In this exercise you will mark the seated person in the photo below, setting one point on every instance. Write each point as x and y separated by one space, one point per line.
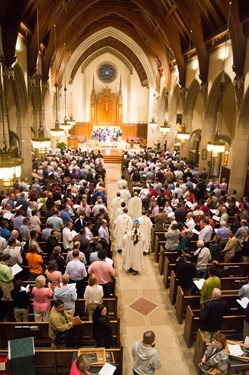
215 357
81 365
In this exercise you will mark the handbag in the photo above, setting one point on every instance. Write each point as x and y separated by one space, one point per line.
195 257
62 336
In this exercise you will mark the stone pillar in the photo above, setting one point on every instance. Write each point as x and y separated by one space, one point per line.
23 132
206 136
239 159
184 150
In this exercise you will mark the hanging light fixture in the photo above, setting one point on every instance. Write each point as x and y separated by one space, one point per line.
165 128
40 143
217 146
56 132
65 125
183 135
10 161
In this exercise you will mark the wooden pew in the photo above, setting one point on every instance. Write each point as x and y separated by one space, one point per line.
7 309
229 269
183 301
159 240
58 362
232 326
82 335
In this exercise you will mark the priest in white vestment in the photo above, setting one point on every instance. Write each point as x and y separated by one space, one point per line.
133 244
115 205
145 228
135 207
122 224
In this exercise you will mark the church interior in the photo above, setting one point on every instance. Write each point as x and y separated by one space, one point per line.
126 74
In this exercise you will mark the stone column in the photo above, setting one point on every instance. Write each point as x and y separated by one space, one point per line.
238 158
206 136
23 132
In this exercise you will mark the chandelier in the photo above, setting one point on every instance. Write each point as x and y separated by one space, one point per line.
40 142
165 128
56 132
183 135
65 125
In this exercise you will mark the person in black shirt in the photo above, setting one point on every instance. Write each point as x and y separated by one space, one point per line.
51 242
185 274
21 302
211 315
102 330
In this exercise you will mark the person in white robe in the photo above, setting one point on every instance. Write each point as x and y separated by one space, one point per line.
115 205
135 206
122 224
125 195
133 244
145 228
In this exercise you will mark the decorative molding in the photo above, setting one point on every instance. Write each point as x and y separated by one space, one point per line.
103 50
238 82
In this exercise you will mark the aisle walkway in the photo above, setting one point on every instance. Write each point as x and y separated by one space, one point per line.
144 304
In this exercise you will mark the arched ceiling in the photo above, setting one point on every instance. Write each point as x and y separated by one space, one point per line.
161 28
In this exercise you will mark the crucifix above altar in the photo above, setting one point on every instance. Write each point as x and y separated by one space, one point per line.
106 107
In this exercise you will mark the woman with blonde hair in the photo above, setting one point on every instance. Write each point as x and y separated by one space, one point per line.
42 297
93 295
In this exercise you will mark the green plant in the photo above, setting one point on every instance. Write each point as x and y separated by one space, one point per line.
61 145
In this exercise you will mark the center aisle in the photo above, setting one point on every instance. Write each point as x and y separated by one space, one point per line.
144 305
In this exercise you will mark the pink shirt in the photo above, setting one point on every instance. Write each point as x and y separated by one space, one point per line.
42 298
102 270
75 371
54 277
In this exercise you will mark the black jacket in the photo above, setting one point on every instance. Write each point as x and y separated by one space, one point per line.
102 332
212 314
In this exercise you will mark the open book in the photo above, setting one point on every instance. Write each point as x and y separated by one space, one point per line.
76 320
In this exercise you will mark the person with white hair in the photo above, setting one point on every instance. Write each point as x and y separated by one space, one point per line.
203 256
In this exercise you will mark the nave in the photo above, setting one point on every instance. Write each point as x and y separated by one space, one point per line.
144 305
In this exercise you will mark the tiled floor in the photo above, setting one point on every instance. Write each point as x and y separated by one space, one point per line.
144 304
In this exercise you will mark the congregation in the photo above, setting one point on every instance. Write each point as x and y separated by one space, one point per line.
62 230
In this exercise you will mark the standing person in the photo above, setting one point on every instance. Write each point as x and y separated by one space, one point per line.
42 297
215 356
135 206
60 325
232 247
21 301
77 273
52 242
172 238
103 272
52 273
6 277
93 295
67 293
203 256
35 262
133 249
68 237
102 330
145 356
145 228
123 223
210 283
185 274
211 315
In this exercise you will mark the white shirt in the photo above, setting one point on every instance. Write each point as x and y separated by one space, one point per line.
67 238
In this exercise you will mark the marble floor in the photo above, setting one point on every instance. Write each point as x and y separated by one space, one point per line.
144 305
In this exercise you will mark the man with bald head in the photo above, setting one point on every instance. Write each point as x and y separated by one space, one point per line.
212 314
